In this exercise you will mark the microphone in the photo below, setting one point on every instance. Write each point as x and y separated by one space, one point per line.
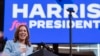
70 10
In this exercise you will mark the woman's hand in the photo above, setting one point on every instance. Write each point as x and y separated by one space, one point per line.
23 48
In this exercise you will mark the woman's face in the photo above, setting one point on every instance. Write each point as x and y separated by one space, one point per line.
23 33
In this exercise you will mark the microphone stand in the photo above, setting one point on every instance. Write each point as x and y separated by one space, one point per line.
70 10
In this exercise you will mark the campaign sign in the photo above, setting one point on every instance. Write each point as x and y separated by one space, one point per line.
48 20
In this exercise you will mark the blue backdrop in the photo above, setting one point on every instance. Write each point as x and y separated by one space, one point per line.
54 28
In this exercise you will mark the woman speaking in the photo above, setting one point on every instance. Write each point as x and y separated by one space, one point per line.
20 45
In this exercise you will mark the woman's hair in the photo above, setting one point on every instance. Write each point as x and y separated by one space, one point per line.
16 36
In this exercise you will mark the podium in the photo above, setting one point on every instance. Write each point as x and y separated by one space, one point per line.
43 52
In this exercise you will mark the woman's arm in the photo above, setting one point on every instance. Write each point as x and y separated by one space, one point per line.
8 50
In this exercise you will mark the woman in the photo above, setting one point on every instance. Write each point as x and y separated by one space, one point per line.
20 46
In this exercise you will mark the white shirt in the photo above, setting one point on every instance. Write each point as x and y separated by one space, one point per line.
23 46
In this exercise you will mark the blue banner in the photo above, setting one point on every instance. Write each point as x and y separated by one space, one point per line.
48 20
